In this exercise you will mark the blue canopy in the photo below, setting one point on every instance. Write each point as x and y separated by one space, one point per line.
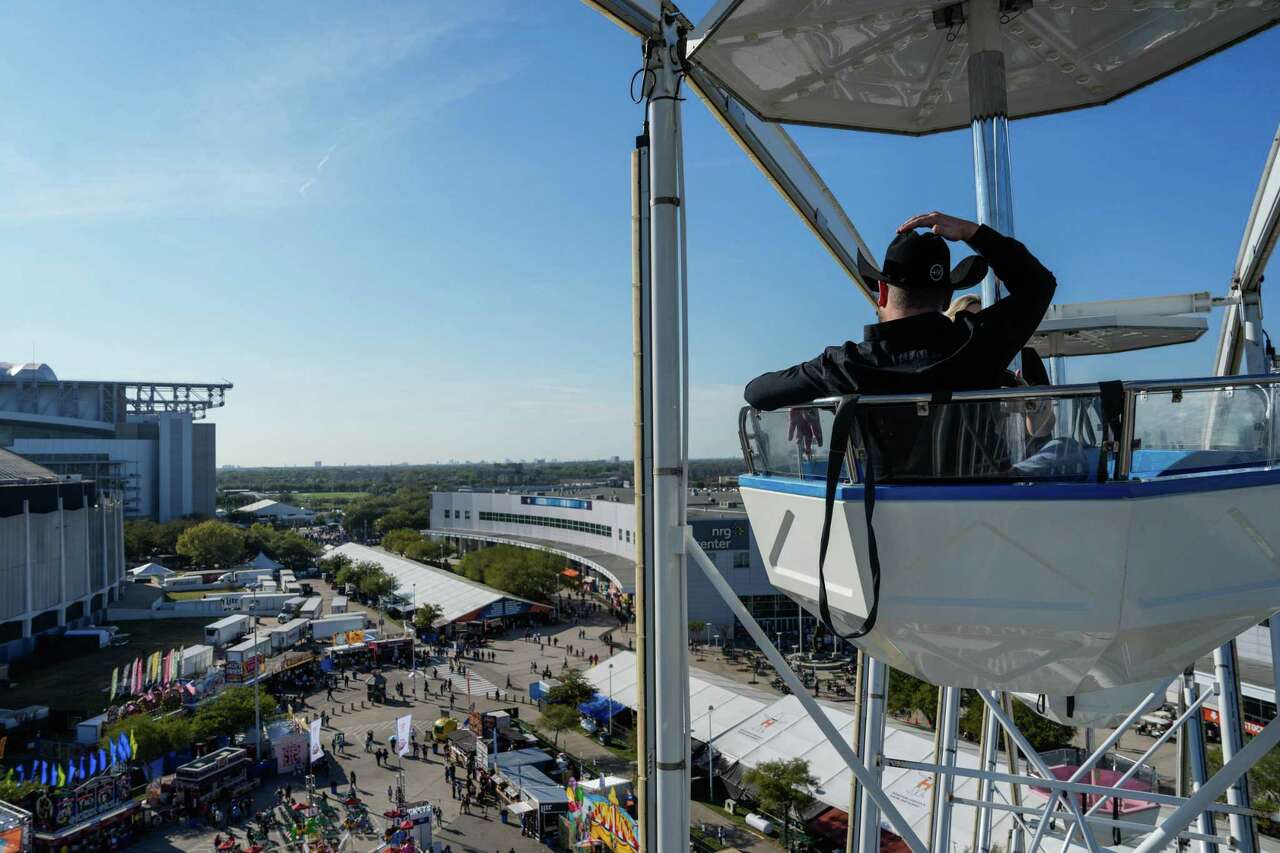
601 708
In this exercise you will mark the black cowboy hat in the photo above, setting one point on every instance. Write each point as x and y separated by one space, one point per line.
917 260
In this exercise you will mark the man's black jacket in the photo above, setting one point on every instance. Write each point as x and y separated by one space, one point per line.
927 352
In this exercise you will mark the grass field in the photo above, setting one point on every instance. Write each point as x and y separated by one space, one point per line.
83 684
325 500
193 594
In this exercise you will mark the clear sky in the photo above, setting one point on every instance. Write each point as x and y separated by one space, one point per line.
402 230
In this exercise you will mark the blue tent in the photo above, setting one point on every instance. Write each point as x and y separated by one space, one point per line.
601 708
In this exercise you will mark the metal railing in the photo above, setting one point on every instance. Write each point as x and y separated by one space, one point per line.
1167 428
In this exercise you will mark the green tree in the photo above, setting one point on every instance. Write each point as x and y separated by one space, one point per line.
15 792
376 583
1043 733
781 787
212 543
398 541
523 572
908 693
231 713
426 616
573 690
333 564
294 551
1264 784
559 718
259 537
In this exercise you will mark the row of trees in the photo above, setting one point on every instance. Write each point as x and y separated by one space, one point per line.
387 479
523 572
230 713
413 545
215 543
908 694
561 711
405 508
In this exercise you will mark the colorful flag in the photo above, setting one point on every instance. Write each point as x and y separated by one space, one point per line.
3 741
133 745
71 770
114 748
22 775
124 747
62 777
83 775
115 677
102 758
93 763
44 773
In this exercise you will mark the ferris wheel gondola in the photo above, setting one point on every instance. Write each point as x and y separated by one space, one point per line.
1064 565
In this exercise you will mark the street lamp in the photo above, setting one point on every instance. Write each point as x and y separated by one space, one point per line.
610 699
711 768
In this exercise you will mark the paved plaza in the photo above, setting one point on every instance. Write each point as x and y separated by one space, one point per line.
483 829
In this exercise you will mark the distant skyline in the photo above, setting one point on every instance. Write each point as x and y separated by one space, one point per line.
402 230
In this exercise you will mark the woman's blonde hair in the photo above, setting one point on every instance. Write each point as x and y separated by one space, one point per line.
962 304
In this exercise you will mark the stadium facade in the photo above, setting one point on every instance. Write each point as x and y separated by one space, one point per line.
594 530
61 553
145 441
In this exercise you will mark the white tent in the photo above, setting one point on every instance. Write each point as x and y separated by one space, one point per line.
784 731
152 570
262 561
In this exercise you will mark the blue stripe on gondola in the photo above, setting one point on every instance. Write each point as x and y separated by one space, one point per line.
1028 491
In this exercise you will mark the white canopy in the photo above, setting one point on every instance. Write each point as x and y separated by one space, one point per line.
152 570
262 561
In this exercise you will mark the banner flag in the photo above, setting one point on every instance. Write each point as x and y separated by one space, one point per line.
115 678
133 745
62 777
71 770
404 728
317 751
93 764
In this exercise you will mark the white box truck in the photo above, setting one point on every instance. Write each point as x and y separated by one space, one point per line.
313 609
242 658
323 630
291 608
227 630
288 635
195 660
338 604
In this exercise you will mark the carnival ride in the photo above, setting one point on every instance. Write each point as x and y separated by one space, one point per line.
1006 592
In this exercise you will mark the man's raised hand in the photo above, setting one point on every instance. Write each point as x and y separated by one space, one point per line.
948 227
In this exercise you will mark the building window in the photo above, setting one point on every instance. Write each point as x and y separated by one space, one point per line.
742 559
548 521
468 515
446 515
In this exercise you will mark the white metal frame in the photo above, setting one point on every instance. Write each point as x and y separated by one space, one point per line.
669 542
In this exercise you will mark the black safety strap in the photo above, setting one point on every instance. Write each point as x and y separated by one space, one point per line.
847 415
1071 706
1111 398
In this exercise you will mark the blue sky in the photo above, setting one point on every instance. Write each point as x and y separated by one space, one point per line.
402 229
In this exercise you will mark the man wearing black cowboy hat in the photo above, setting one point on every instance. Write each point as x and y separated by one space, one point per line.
915 347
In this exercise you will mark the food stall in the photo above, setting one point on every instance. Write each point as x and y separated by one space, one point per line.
209 778
99 813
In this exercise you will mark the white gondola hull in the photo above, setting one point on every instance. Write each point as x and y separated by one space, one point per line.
1070 589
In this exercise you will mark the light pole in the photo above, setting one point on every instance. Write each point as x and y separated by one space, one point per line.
257 678
711 767
611 700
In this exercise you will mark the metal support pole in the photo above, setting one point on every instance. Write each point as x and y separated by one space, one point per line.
1017 835
640 326
1034 759
948 736
1196 760
711 767
987 749
1231 723
859 716
670 658
989 118
1214 788
877 681
868 778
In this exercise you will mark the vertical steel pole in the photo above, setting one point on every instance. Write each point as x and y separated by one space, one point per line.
645 738
1196 761
877 679
667 345
859 721
1231 723
988 748
989 117
949 734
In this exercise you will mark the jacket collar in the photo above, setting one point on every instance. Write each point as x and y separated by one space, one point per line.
915 331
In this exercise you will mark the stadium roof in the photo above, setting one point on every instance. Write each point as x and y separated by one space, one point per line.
14 469
459 598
